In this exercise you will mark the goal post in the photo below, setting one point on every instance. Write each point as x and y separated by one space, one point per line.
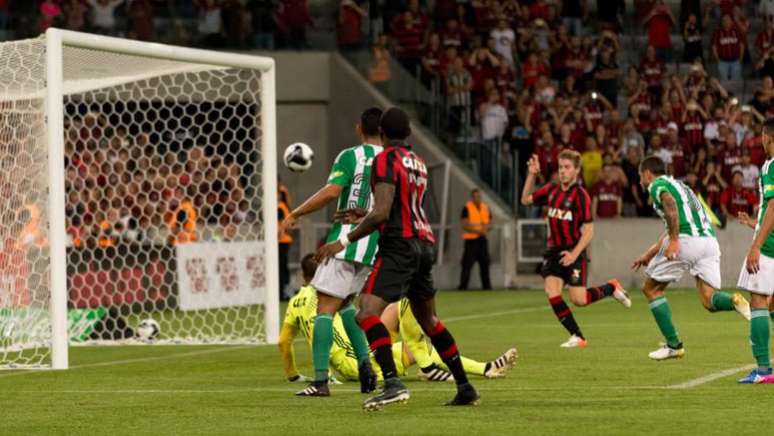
166 207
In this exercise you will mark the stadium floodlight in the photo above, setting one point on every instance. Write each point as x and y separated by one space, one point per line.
138 182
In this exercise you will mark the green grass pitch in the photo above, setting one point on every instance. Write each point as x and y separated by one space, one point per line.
611 387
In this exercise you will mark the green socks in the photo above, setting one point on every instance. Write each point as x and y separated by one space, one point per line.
356 335
322 340
721 301
759 337
663 315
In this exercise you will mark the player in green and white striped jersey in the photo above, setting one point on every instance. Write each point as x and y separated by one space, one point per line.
344 276
757 274
688 245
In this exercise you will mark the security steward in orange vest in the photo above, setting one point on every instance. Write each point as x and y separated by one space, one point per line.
182 224
475 228
284 247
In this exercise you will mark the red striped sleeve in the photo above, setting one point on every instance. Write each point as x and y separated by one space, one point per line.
539 197
584 206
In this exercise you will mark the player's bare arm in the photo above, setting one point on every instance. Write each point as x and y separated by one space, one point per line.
533 169
671 216
767 225
587 233
651 252
383 197
350 216
317 201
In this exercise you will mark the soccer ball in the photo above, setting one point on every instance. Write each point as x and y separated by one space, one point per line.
298 157
148 330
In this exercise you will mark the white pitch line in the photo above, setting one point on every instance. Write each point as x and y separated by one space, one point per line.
710 377
137 360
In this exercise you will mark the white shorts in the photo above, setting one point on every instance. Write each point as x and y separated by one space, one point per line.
762 282
339 278
699 256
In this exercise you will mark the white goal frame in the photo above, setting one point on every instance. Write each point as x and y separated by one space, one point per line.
56 39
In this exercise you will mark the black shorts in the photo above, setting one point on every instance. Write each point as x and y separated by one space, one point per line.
403 267
573 275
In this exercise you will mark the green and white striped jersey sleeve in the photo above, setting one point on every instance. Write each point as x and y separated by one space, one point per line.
352 171
692 218
766 188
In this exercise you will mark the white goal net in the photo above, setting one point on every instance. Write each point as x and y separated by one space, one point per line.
138 182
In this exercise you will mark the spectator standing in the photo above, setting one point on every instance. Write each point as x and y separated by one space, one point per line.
736 199
606 74
607 195
103 17
262 14
409 34
141 20
285 240
50 14
750 172
728 49
210 25
591 162
476 222
379 71
458 86
660 22
349 25
75 15
505 39
692 40
292 21
572 15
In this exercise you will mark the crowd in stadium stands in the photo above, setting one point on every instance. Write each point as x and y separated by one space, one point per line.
125 189
544 76
538 75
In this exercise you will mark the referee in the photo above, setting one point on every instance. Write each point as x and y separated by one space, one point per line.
475 228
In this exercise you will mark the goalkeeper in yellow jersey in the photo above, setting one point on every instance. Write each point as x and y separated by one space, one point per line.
400 321
299 318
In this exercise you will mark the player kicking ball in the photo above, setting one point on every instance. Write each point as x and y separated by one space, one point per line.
689 245
570 232
345 275
757 276
404 263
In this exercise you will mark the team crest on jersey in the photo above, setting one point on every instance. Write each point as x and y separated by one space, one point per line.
560 214
576 274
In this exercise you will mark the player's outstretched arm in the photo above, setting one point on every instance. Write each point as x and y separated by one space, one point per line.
651 252
317 201
767 226
383 197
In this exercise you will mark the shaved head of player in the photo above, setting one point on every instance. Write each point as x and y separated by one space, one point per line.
404 263
570 231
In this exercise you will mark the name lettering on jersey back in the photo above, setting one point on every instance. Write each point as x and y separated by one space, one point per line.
560 214
415 164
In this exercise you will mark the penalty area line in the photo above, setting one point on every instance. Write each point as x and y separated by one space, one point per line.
710 377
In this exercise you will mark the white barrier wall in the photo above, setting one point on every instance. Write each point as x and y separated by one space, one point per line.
618 242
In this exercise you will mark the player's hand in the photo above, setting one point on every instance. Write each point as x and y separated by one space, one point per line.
350 216
286 224
300 378
568 258
327 251
745 219
533 166
672 250
641 261
753 260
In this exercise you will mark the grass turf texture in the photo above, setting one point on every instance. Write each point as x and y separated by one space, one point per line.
611 387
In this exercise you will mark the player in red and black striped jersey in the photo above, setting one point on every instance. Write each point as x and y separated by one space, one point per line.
570 232
404 263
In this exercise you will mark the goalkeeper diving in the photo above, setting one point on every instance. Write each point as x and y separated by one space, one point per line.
410 346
